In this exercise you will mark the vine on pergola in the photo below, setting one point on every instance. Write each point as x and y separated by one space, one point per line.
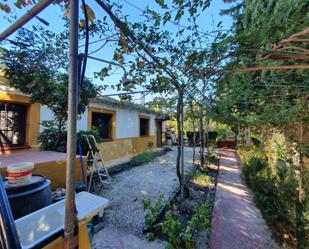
156 58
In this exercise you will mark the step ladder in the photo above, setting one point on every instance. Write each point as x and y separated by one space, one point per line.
95 162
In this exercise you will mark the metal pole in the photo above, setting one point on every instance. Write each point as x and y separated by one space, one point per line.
108 62
25 18
71 222
124 93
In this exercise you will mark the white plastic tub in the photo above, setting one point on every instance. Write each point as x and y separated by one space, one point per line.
37 227
20 173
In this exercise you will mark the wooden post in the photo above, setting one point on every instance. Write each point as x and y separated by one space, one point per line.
71 222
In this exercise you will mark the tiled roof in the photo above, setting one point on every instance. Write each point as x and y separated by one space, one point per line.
112 102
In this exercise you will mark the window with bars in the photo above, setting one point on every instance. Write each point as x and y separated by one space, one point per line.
144 127
12 124
103 122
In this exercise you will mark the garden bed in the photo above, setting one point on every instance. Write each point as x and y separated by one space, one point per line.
138 160
185 223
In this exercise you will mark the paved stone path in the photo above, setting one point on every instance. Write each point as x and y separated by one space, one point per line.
124 219
237 223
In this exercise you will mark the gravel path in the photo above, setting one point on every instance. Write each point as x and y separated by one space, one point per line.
125 216
237 223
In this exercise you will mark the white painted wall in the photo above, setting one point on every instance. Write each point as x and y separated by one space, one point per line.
82 122
127 123
152 124
47 114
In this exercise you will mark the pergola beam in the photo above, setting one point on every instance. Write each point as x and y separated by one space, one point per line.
25 18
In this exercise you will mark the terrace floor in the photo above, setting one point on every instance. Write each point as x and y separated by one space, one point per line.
35 157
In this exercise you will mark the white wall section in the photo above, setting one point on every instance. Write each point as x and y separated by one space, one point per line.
127 124
47 114
152 124
127 121
82 122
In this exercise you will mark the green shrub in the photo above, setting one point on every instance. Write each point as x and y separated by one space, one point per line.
172 229
256 141
53 139
146 157
153 210
142 158
179 237
223 133
274 193
187 238
150 145
200 218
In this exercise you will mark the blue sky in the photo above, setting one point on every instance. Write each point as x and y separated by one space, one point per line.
53 15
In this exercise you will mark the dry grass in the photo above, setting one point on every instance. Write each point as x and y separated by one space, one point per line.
202 179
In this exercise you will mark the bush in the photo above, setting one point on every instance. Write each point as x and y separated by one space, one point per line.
172 229
184 237
150 145
223 134
52 139
147 156
256 141
142 158
274 193
200 218
153 210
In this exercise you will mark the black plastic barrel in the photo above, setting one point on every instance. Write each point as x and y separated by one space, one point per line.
27 198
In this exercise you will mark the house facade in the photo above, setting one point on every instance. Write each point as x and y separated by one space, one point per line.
125 128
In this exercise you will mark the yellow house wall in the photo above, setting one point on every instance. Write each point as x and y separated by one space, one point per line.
120 147
55 171
83 240
124 147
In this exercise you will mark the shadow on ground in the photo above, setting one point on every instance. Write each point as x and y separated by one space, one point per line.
237 223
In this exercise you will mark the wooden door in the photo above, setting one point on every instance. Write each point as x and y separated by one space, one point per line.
159 133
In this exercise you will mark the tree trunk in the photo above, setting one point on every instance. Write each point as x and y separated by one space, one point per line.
207 136
201 134
248 136
194 143
263 139
179 128
194 131
59 128
182 187
238 133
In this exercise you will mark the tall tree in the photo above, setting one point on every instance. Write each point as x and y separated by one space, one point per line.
35 63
